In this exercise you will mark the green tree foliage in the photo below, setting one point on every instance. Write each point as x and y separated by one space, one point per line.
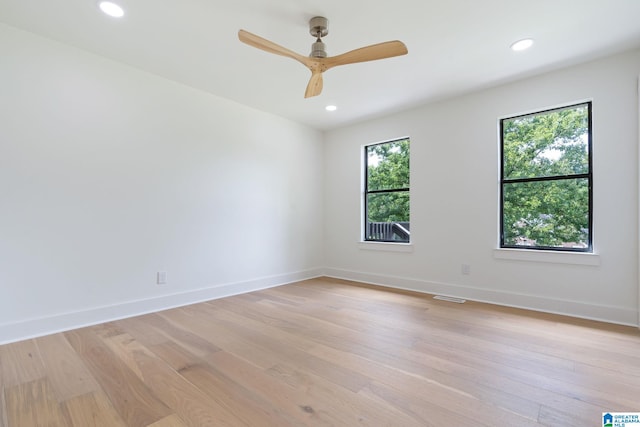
388 169
547 213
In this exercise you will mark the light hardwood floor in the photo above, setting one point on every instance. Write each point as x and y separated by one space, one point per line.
325 353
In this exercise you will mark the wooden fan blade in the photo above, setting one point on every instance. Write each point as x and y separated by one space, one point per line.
368 53
271 47
314 87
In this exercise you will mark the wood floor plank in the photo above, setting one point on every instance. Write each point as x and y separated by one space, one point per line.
156 329
312 401
92 409
170 421
587 351
182 336
341 324
428 413
174 355
273 340
3 406
65 370
339 403
34 404
583 388
558 417
131 398
196 321
3 411
106 330
248 406
435 384
142 329
21 363
237 400
279 394
191 404
441 395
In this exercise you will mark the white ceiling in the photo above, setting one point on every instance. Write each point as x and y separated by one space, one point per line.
455 46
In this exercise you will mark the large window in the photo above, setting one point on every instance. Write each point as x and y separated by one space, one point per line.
546 180
386 192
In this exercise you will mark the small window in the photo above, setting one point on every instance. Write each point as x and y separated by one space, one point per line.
386 192
546 180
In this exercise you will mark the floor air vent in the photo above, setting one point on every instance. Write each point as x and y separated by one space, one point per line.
450 299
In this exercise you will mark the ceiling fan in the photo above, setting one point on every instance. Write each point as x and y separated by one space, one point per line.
318 61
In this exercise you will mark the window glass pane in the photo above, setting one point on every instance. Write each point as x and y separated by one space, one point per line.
551 214
388 166
388 216
547 144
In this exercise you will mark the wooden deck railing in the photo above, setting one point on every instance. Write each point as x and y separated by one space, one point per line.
388 231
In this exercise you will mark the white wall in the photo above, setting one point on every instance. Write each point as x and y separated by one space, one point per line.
454 197
109 174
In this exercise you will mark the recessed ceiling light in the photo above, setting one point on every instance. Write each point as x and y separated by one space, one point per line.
111 9
522 45
331 108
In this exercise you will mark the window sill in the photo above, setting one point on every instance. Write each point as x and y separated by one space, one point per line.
576 258
385 246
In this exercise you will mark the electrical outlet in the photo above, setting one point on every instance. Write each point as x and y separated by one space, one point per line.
465 269
161 278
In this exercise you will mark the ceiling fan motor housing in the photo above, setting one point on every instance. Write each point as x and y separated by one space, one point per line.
318 50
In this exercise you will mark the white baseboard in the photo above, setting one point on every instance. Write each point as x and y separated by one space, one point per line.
31 328
604 313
